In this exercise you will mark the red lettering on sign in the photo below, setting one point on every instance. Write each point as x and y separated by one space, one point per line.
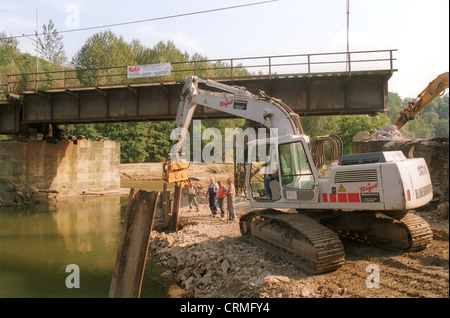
368 188
134 69
226 103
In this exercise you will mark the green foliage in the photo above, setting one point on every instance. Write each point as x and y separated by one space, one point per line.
432 122
102 50
9 52
51 45
8 49
345 127
139 142
158 143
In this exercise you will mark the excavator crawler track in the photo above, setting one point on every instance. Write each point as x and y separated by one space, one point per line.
409 234
296 238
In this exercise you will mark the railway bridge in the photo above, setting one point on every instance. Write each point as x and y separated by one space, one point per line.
341 83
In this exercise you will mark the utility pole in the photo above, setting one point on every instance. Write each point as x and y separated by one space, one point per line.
37 44
37 51
348 44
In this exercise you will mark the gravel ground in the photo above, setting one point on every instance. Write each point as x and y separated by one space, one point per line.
209 258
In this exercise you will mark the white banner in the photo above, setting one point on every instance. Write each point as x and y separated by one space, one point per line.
149 70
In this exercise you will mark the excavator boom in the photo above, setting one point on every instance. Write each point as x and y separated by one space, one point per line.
434 89
237 101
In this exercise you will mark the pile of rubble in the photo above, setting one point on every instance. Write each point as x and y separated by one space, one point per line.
209 258
435 151
389 134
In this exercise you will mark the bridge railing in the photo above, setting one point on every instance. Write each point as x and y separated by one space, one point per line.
319 64
3 92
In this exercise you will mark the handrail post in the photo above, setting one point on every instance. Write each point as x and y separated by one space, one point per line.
232 79
95 77
392 60
309 65
8 90
65 79
270 68
349 63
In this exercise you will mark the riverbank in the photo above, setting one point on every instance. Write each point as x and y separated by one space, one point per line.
12 194
153 171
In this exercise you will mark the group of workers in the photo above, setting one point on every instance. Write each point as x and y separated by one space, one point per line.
217 193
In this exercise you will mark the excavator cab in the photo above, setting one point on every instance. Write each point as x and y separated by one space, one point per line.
281 169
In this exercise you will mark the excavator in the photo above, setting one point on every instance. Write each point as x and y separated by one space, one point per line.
415 107
301 215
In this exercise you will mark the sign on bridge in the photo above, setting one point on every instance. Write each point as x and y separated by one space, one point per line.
149 70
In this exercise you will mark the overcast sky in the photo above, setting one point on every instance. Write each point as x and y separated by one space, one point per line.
418 29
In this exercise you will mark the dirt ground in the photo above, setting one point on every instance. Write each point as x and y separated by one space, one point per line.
208 257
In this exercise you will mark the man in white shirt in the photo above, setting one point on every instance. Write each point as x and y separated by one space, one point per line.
230 200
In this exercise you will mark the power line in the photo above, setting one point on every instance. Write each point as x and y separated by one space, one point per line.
153 19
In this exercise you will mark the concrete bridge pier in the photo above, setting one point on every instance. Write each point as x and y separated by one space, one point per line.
69 167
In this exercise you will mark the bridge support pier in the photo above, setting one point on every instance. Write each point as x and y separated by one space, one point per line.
70 167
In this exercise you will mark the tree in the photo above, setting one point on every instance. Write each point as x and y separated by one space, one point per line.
51 45
442 108
103 49
9 49
158 143
132 138
9 52
348 126
167 52
90 131
441 128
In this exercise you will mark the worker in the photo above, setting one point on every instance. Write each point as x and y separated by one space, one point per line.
211 193
192 194
221 195
230 200
267 179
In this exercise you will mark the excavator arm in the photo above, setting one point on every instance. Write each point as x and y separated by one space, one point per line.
237 101
434 89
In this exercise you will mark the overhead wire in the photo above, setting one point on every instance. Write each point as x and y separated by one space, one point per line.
152 19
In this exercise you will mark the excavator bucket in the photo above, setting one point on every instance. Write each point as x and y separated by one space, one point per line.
175 172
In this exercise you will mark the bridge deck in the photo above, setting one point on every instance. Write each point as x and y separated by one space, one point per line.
311 93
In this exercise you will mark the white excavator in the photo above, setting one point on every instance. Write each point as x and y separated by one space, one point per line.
365 197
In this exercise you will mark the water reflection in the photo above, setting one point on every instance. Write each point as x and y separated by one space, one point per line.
88 224
38 242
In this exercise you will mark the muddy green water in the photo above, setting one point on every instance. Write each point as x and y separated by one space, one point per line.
38 242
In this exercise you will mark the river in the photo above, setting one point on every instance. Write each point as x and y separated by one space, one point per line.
37 242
